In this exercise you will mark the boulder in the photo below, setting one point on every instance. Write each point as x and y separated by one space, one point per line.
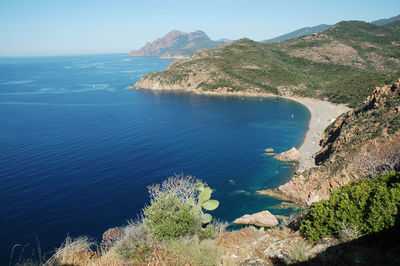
289 156
264 218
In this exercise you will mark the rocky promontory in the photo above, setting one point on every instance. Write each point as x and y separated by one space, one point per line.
178 44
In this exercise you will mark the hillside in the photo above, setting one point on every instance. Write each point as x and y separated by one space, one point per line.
177 44
322 27
361 143
393 26
352 43
343 65
299 33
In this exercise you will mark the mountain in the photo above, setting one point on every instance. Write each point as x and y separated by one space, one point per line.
299 33
320 28
178 44
382 22
342 64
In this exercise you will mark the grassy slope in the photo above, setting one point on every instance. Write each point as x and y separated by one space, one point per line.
277 68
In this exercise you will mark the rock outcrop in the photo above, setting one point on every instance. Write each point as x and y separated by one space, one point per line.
264 218
292 155
177 44
371 127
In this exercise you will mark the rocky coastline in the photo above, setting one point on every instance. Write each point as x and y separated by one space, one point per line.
322 115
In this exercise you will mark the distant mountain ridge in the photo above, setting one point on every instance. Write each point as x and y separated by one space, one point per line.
322 27
342 64
381 22
178 44
299 33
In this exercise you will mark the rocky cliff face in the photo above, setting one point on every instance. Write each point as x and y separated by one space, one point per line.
177 44
365 136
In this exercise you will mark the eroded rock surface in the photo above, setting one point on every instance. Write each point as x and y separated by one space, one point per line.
264 218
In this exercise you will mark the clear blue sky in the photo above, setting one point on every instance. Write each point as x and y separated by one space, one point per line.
56 27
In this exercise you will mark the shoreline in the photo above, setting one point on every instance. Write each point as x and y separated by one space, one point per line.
322 114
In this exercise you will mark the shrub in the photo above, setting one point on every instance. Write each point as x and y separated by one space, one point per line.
300 252
176 209
381 155
133 238
370 206
167 217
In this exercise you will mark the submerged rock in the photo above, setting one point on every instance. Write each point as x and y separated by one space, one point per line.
264 218
289 156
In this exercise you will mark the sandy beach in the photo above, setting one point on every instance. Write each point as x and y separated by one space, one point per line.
322 115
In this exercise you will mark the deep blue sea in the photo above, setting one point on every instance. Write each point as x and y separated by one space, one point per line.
77 150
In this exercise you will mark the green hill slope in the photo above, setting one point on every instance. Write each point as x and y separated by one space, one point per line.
336 65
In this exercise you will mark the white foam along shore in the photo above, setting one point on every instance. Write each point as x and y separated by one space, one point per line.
322 115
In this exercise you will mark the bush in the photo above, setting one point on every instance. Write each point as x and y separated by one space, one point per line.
369 206
167 218
300 252
176 209
378 156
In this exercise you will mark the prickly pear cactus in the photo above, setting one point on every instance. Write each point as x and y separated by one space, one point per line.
204 202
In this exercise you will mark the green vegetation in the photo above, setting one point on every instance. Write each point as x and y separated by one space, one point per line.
342 64
174 226
368 206
172 215
167 218
393 26
173 231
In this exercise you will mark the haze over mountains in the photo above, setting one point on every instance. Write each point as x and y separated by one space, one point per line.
299 33
181 45
320 28
178 44
381 22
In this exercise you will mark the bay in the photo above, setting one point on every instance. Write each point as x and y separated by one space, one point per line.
77 150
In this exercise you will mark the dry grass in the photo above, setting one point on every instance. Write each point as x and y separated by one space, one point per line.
299 252
196 251
348 233
377 156
74 251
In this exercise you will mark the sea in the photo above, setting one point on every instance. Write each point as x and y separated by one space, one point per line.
78 150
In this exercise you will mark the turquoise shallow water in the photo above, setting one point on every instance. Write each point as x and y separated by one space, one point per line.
78 150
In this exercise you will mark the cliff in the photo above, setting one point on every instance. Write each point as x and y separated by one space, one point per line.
178 44
361 143
342 64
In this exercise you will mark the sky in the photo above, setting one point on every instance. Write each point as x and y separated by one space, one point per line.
64 27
